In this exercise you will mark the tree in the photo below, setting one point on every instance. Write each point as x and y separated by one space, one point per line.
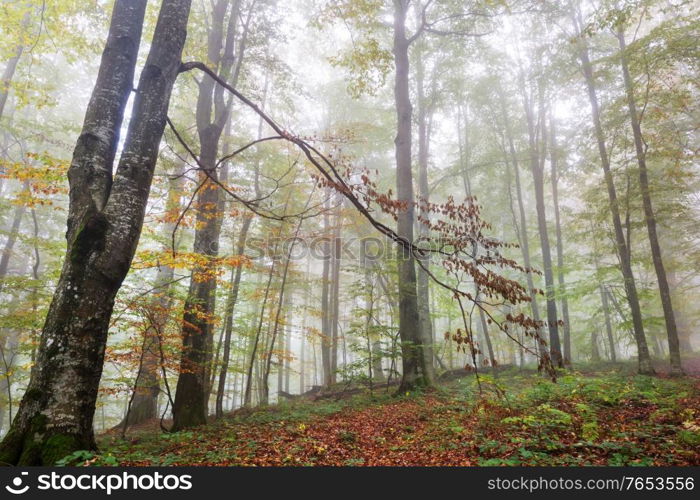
334 299
425 111
278 314
416 371
554 165
537 159
522 232
17 217
192 393
143 405
649 217
228 315
11 65
623 254
326 327
104 223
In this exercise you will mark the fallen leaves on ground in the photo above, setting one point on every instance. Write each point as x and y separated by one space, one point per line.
581 424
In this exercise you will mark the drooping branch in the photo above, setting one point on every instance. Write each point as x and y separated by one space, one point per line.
459 238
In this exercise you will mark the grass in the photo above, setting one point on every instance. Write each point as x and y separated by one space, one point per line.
518 419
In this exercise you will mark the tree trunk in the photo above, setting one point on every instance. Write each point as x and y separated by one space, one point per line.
537 156
281 303
650 219
247 400
608 323
423 280
335 291
277 338
11 239
287 350
302 356
11 65
415 370
104 224
487 338
523 236
645 366
228 317
482 327
684 323
595 353
326 334
9 342
193 384
236 277
281 340
554 162
144 404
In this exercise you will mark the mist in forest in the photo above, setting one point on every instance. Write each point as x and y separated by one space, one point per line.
209 208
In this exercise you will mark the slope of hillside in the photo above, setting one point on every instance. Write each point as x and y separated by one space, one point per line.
610 419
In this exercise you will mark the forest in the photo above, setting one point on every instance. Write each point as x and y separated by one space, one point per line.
350 232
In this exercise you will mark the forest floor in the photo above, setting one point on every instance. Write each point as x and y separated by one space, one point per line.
587 418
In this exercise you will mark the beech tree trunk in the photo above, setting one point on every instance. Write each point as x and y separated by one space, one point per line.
11 65
228 317
423 280
554 164
280 305
287 350
191 404
302 354
11 239
649 217
104 223
9 342
335 291
247 398
595 352
523 236
326 333
144 404
482 325
415 369
537 155
644 359
685 327
608 323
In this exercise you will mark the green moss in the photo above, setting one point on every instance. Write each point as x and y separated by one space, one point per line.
33 394
59 446
689 437
33 439
11 447
88 238
36 447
